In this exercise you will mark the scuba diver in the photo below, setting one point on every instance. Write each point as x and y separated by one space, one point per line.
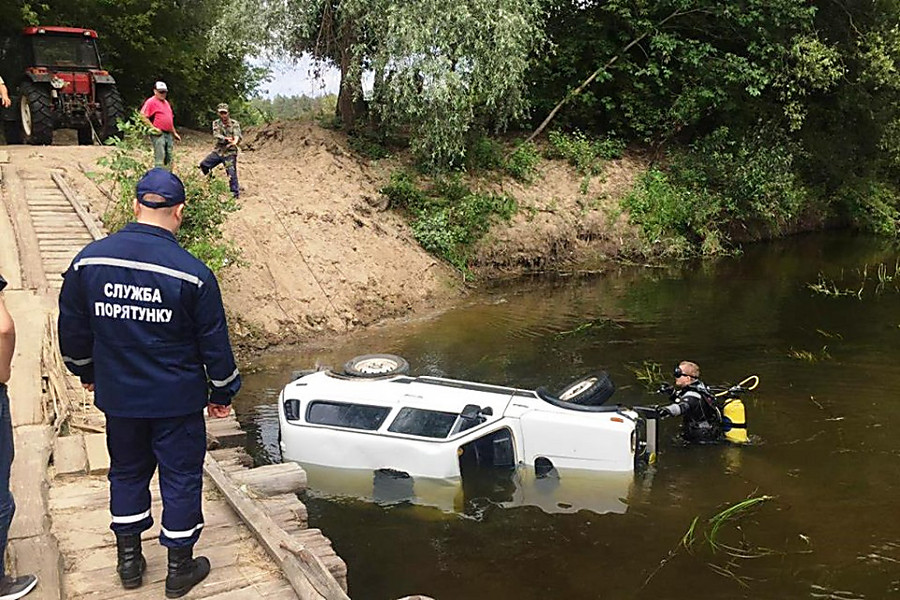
695 402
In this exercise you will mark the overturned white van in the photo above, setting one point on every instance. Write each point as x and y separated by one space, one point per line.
373 416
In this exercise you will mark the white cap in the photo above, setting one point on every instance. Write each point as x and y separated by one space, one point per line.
161 86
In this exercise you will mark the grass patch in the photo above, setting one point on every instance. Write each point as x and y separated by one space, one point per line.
448 217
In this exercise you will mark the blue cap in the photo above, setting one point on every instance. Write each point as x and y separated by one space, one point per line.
161 182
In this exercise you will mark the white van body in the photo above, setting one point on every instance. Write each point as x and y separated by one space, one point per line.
424 427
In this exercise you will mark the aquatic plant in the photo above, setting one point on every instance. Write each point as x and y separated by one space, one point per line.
648 373
601 322
809 356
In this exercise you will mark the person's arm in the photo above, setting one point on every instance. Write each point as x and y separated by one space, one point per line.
76 339
218 133
215 348
683 404
175 133
7 341
237 134
4 96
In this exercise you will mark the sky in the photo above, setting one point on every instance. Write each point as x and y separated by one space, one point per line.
300 78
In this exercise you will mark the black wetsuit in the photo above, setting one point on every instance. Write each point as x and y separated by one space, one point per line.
701 420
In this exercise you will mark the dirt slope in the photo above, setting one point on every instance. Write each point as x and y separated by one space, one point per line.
321 254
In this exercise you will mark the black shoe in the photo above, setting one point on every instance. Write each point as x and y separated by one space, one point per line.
13 588
131 563
184 571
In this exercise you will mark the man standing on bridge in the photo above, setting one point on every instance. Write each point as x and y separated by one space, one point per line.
157 113
141 322
11 588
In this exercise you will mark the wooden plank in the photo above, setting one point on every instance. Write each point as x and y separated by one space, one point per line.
4 157
88 220
69 456
306 574
29 258
97 455
271 480
28 310
28 481
38 555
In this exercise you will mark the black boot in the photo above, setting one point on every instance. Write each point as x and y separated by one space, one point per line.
184 571
131 563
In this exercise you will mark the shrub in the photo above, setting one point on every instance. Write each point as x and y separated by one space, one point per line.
449 218
208 200
523 162
583 153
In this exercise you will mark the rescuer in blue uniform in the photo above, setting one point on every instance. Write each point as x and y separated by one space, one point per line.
141 322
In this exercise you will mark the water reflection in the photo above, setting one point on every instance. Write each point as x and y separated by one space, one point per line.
556 492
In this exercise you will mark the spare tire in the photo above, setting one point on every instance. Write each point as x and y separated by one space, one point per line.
591 390
376 365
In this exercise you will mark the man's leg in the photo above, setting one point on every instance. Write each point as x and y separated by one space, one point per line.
209 163
180 447
231 168
7 451
131 466
170 149
10 587
159 150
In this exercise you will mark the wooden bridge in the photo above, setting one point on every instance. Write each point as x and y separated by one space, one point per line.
256 532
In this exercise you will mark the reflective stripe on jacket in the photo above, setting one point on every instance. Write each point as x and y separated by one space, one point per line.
143 320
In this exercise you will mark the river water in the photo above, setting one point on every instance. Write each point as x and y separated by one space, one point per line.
824 423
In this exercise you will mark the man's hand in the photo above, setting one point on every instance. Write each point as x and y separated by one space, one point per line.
155 131
5 101
88 386
219 411
176 136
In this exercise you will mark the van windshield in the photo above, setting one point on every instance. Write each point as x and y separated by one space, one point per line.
425 423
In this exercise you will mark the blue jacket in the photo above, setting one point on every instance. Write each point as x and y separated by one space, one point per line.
142 320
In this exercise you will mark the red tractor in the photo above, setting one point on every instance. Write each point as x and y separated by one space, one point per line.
62 86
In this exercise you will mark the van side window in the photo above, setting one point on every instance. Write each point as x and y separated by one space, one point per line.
425 423
354 416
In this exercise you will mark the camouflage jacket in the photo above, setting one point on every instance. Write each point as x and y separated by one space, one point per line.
222 131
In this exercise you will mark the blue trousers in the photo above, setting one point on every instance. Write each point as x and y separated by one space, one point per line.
215 159
176 445
7 452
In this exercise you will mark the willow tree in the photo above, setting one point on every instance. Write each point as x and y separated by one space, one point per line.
441 67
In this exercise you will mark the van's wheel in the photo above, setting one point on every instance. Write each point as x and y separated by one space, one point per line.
592 390
376 365
36 114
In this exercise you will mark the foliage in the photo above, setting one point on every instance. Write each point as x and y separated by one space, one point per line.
522 163
440 68
302 108
712 188
583 153
208 200
142 41
448 218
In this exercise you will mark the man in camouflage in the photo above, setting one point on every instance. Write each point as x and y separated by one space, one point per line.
227 135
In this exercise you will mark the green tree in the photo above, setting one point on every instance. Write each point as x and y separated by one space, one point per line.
145 40
441 67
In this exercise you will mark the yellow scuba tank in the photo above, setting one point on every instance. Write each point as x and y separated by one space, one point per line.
734 421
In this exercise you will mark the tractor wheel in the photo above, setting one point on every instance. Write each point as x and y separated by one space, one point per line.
85 138
36 114
112 108
12 132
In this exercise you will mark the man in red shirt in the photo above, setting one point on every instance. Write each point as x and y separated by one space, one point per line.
157 113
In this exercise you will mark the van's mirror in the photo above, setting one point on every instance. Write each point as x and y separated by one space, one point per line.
471 411
487 411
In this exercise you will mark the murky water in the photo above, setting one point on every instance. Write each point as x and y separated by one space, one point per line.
825 419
